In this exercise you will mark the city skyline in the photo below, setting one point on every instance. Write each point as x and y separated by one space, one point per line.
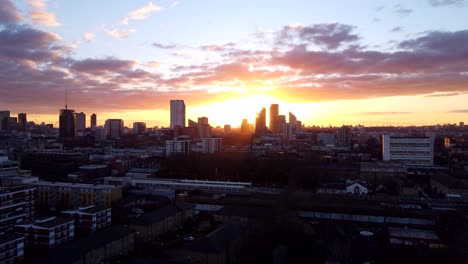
386 64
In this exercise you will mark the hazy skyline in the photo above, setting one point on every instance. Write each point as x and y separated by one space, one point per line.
338 62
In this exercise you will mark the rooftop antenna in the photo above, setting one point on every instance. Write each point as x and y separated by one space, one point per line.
66 97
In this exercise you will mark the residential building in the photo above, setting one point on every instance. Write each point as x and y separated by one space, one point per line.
67 123
408 150
89 219
93 120
178 147
80 121
211 145
343 137
63 195
114 128
46 232
11 248
356 187
17 204
177 113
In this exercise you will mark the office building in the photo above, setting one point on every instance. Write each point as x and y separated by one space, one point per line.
11 248
178 147
17 205
260 122
80 121
288 132
64 195
139 128
227 129
22 120
46 232
93 120
245 126
203 120
67 123
408 150
280 122
4 120
89 219
211 145
292 120
343 137
177 113
114 128
204 128
274 113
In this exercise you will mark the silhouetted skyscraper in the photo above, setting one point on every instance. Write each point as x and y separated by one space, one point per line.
80 121
177 113
204 128
67 123
139 128
4 120
93 120
114 128
292 119
343 137
260 122
22 120
245 126
274 112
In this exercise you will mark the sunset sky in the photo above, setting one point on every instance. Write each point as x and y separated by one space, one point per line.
332 62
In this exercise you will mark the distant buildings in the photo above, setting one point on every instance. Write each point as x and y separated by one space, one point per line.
93 120
46 232
211 145
11 248
89 219
326 139
178 147
204 128
114 128
17 205
274 113
260 122
227 129
245 126
288 132
22 120
80 121
177 113
139 128
343 137
4 120
409 150
67 123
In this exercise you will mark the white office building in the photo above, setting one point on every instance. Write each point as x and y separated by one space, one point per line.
177 113
409 150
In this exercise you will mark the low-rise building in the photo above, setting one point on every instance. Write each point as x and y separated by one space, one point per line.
89 219
356 187
17 204
46 232
11 248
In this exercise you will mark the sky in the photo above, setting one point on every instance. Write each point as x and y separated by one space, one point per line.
333 62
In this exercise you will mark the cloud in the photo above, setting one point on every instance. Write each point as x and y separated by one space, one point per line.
330 36
153 64
442 94
438 3
9 13
89 36
459 111
384 113
101 66
396 29
164 46
399 9
141 13
120 33
38 14
217 47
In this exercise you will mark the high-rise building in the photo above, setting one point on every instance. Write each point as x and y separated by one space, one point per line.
80 121
177 113
114 128
22 120
139 128
203 120
93 120
274 112
4 120
260 122
245 126
67 123
292 119
227 129
211 145
204 128
288 132
343 136
280 122
409 150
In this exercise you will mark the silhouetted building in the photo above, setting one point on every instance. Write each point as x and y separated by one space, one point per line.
274 112
280 122
343 137
292 119
203 120
227 129
4 120
204 128
192 123
288 132
245 126
177 113
22 120
67 123
260 122
93 120
114 128
139 128
80 121
178 147
52 164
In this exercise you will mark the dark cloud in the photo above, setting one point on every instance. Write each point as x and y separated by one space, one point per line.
399 9
396 29
8 13
330 36
442 94
101 66
459 111
165 46
438 3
